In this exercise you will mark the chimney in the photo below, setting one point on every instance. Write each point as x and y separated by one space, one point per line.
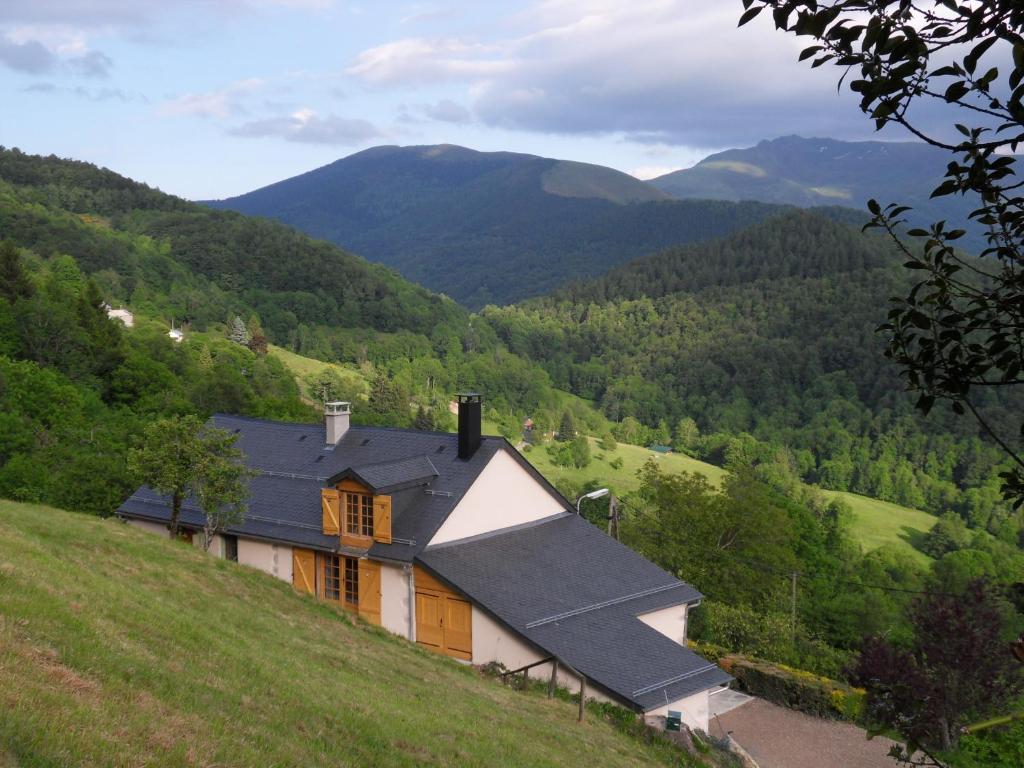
470 404
336 416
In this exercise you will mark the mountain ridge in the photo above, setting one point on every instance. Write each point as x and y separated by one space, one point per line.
807 172
488 227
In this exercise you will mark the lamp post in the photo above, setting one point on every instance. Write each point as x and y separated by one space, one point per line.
592 495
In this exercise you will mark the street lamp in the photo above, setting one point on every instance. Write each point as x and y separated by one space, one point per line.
592 495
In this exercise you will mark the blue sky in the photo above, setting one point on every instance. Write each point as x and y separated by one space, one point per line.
211 98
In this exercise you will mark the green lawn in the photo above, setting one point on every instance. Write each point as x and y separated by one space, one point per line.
303 367
876 523
623 479
119 647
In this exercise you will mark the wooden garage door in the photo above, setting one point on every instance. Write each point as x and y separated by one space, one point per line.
444 618
458 628
428 620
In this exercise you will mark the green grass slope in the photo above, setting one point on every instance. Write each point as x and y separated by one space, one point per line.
121 648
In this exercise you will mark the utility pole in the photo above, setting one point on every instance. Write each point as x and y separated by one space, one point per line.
613 517
792 609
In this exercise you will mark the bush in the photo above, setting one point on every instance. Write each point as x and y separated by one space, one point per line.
796 689
742 630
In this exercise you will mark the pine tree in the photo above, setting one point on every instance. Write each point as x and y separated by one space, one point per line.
14 283
205 358
567 428
238 333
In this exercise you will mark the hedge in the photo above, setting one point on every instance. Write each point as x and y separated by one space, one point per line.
796 689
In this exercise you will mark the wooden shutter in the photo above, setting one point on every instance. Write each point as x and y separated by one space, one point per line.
458 628
304 570
330 499
369 591
382 519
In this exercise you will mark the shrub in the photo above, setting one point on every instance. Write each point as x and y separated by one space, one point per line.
796 689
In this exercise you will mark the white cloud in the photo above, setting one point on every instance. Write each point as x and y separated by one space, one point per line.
307 127
655 71
222 103
419 60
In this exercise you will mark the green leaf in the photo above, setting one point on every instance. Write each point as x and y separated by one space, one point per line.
749 15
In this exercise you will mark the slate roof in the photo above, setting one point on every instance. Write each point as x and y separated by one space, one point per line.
576 593
421 470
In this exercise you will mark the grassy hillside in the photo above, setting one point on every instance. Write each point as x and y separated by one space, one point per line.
875 523
119 647
488 227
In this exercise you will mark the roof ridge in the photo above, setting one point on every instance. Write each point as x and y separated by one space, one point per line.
606 603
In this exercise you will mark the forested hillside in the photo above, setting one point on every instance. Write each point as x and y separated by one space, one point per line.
769 332
76 387
488 228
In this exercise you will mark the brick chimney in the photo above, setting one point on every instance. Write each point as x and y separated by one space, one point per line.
336 420
470 405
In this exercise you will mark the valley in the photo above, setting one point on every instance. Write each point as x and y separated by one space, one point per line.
746 353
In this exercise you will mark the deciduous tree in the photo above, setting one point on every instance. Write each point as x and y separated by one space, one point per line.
960 330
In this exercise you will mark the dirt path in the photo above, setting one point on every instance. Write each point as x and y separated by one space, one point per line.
781 738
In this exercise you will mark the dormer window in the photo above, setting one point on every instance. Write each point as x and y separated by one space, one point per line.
351 511
359 514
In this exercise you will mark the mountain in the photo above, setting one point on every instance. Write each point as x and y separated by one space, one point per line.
488 227
123 648
811 172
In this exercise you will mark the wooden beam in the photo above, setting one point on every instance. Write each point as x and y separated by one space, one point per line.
583 696
526 679
554 678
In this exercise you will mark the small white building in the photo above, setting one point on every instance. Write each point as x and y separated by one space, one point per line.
124 315
457 543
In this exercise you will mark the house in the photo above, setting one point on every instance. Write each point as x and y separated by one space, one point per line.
457 543
124 315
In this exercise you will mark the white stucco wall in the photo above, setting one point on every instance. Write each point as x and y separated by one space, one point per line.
275 559
671 622
494 642
503 495
146 525
694 710
394 599
216 546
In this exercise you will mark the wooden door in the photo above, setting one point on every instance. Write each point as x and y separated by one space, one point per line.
369 591
458 628
429 630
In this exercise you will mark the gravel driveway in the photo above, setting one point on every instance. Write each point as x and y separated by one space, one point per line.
782 738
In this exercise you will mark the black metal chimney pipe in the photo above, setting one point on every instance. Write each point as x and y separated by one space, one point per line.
470 404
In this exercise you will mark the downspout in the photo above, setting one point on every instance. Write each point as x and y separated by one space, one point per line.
412 603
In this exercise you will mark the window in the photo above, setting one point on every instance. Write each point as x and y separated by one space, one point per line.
359 514
339 579
231 548
351 581
332 577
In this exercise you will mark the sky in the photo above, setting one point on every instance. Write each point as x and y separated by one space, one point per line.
213 98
